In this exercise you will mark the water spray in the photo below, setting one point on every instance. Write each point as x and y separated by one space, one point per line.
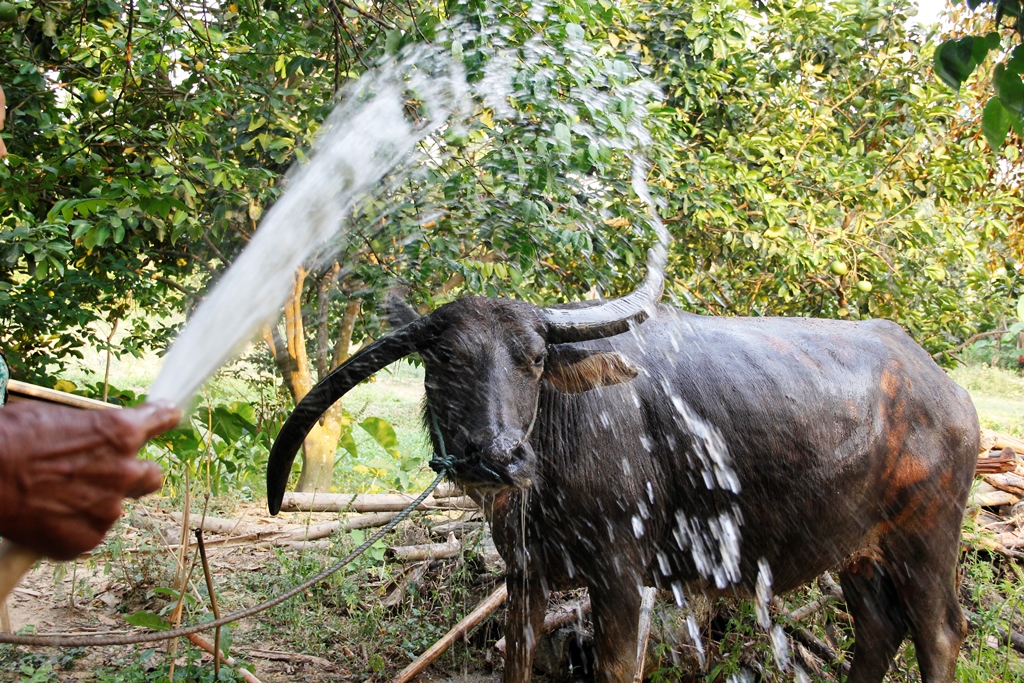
365 137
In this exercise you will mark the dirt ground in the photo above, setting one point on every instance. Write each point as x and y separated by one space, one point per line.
95 594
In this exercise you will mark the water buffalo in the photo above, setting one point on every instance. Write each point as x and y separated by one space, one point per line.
629 444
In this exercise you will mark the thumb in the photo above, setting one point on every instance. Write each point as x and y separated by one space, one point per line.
157 417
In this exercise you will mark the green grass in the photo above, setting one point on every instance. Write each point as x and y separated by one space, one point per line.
998 396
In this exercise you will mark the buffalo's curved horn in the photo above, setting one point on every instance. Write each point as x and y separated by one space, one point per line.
320 398
613 316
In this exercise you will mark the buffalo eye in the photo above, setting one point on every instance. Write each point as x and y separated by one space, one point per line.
538 360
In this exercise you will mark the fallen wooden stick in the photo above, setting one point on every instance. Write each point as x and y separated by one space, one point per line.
292 535
325 529
322 544
412 576
557 618
983 541
472 519
279 656
986 495
804 611
479 613
426 551
1004 461
214 525
816 646
1011 482
368 502
203 643
448 490
994 440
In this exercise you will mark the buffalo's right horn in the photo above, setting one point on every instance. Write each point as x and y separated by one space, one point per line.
615 315
320 398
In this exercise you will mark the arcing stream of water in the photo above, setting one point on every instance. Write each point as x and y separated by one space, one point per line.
366 136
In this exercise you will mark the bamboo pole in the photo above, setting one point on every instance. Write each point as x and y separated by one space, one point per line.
367 502
24 390
479 613
203 643
644 631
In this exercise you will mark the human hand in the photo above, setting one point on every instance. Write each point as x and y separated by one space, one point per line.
64 472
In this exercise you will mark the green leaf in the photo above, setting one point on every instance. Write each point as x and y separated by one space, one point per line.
349 443
995 123
955 60
1016 61
562 134
1020 308
1009 89
383 433
393 41
147 619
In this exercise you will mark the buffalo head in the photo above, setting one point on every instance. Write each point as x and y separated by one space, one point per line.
485 361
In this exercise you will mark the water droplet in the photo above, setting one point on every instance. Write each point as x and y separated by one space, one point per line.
780 647
677 593
638 526
763 593
663 564
694 631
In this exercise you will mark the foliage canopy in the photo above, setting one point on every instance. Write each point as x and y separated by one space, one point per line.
145 142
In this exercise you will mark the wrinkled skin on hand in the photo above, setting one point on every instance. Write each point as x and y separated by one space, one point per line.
64 472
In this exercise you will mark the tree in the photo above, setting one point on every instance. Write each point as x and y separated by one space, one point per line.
145 144
811 135
957 58
146 141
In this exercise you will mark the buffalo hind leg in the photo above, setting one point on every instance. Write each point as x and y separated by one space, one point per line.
527 603
927 589
616 616
879 621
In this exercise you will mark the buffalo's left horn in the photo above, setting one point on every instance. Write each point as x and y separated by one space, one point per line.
320 398
615 315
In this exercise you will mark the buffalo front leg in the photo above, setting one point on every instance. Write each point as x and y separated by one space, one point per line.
616 619
527 603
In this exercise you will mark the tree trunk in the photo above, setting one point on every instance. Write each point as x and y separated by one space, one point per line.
318 451
289 352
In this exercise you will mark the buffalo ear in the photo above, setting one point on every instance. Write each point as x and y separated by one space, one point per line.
574 370
399 312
